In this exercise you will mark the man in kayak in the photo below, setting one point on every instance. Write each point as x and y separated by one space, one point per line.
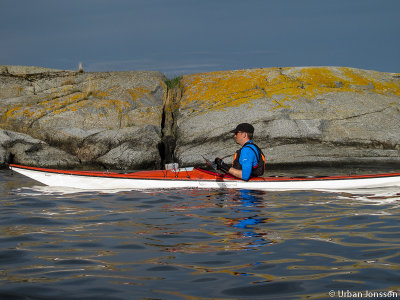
249 161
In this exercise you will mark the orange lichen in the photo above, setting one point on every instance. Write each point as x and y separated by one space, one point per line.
219 90
138 93
274 87
77 101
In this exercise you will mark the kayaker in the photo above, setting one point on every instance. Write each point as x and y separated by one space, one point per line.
249 161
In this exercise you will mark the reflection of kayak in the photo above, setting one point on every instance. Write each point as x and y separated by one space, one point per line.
198 178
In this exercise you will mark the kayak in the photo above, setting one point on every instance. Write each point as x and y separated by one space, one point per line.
198 178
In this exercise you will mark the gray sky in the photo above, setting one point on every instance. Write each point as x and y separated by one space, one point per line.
191 36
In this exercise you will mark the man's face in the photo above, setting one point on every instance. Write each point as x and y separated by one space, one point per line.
240 137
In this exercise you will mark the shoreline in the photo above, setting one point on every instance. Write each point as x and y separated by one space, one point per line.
304 116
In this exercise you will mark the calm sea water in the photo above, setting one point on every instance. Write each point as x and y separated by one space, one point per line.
196 244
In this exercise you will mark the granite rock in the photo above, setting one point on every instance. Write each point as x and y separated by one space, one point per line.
23 149
302 115
73 110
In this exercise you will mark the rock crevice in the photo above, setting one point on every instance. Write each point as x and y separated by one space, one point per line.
168 124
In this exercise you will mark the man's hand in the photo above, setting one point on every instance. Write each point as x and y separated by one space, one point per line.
221 165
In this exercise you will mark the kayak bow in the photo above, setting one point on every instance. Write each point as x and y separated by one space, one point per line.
198 178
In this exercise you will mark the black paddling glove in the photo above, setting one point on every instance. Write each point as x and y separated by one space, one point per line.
221 165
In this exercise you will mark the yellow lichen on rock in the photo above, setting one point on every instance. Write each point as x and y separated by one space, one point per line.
138 92
78 101
142 116
219 90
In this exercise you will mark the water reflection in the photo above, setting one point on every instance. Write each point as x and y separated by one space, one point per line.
241 211
249 202
197 243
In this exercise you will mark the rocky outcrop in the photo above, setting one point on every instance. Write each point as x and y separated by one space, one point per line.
19 147
111 119
310 115
134 120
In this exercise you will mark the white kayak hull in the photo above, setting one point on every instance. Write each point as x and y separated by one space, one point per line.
189 178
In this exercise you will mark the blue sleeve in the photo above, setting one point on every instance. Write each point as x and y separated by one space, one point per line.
247 158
